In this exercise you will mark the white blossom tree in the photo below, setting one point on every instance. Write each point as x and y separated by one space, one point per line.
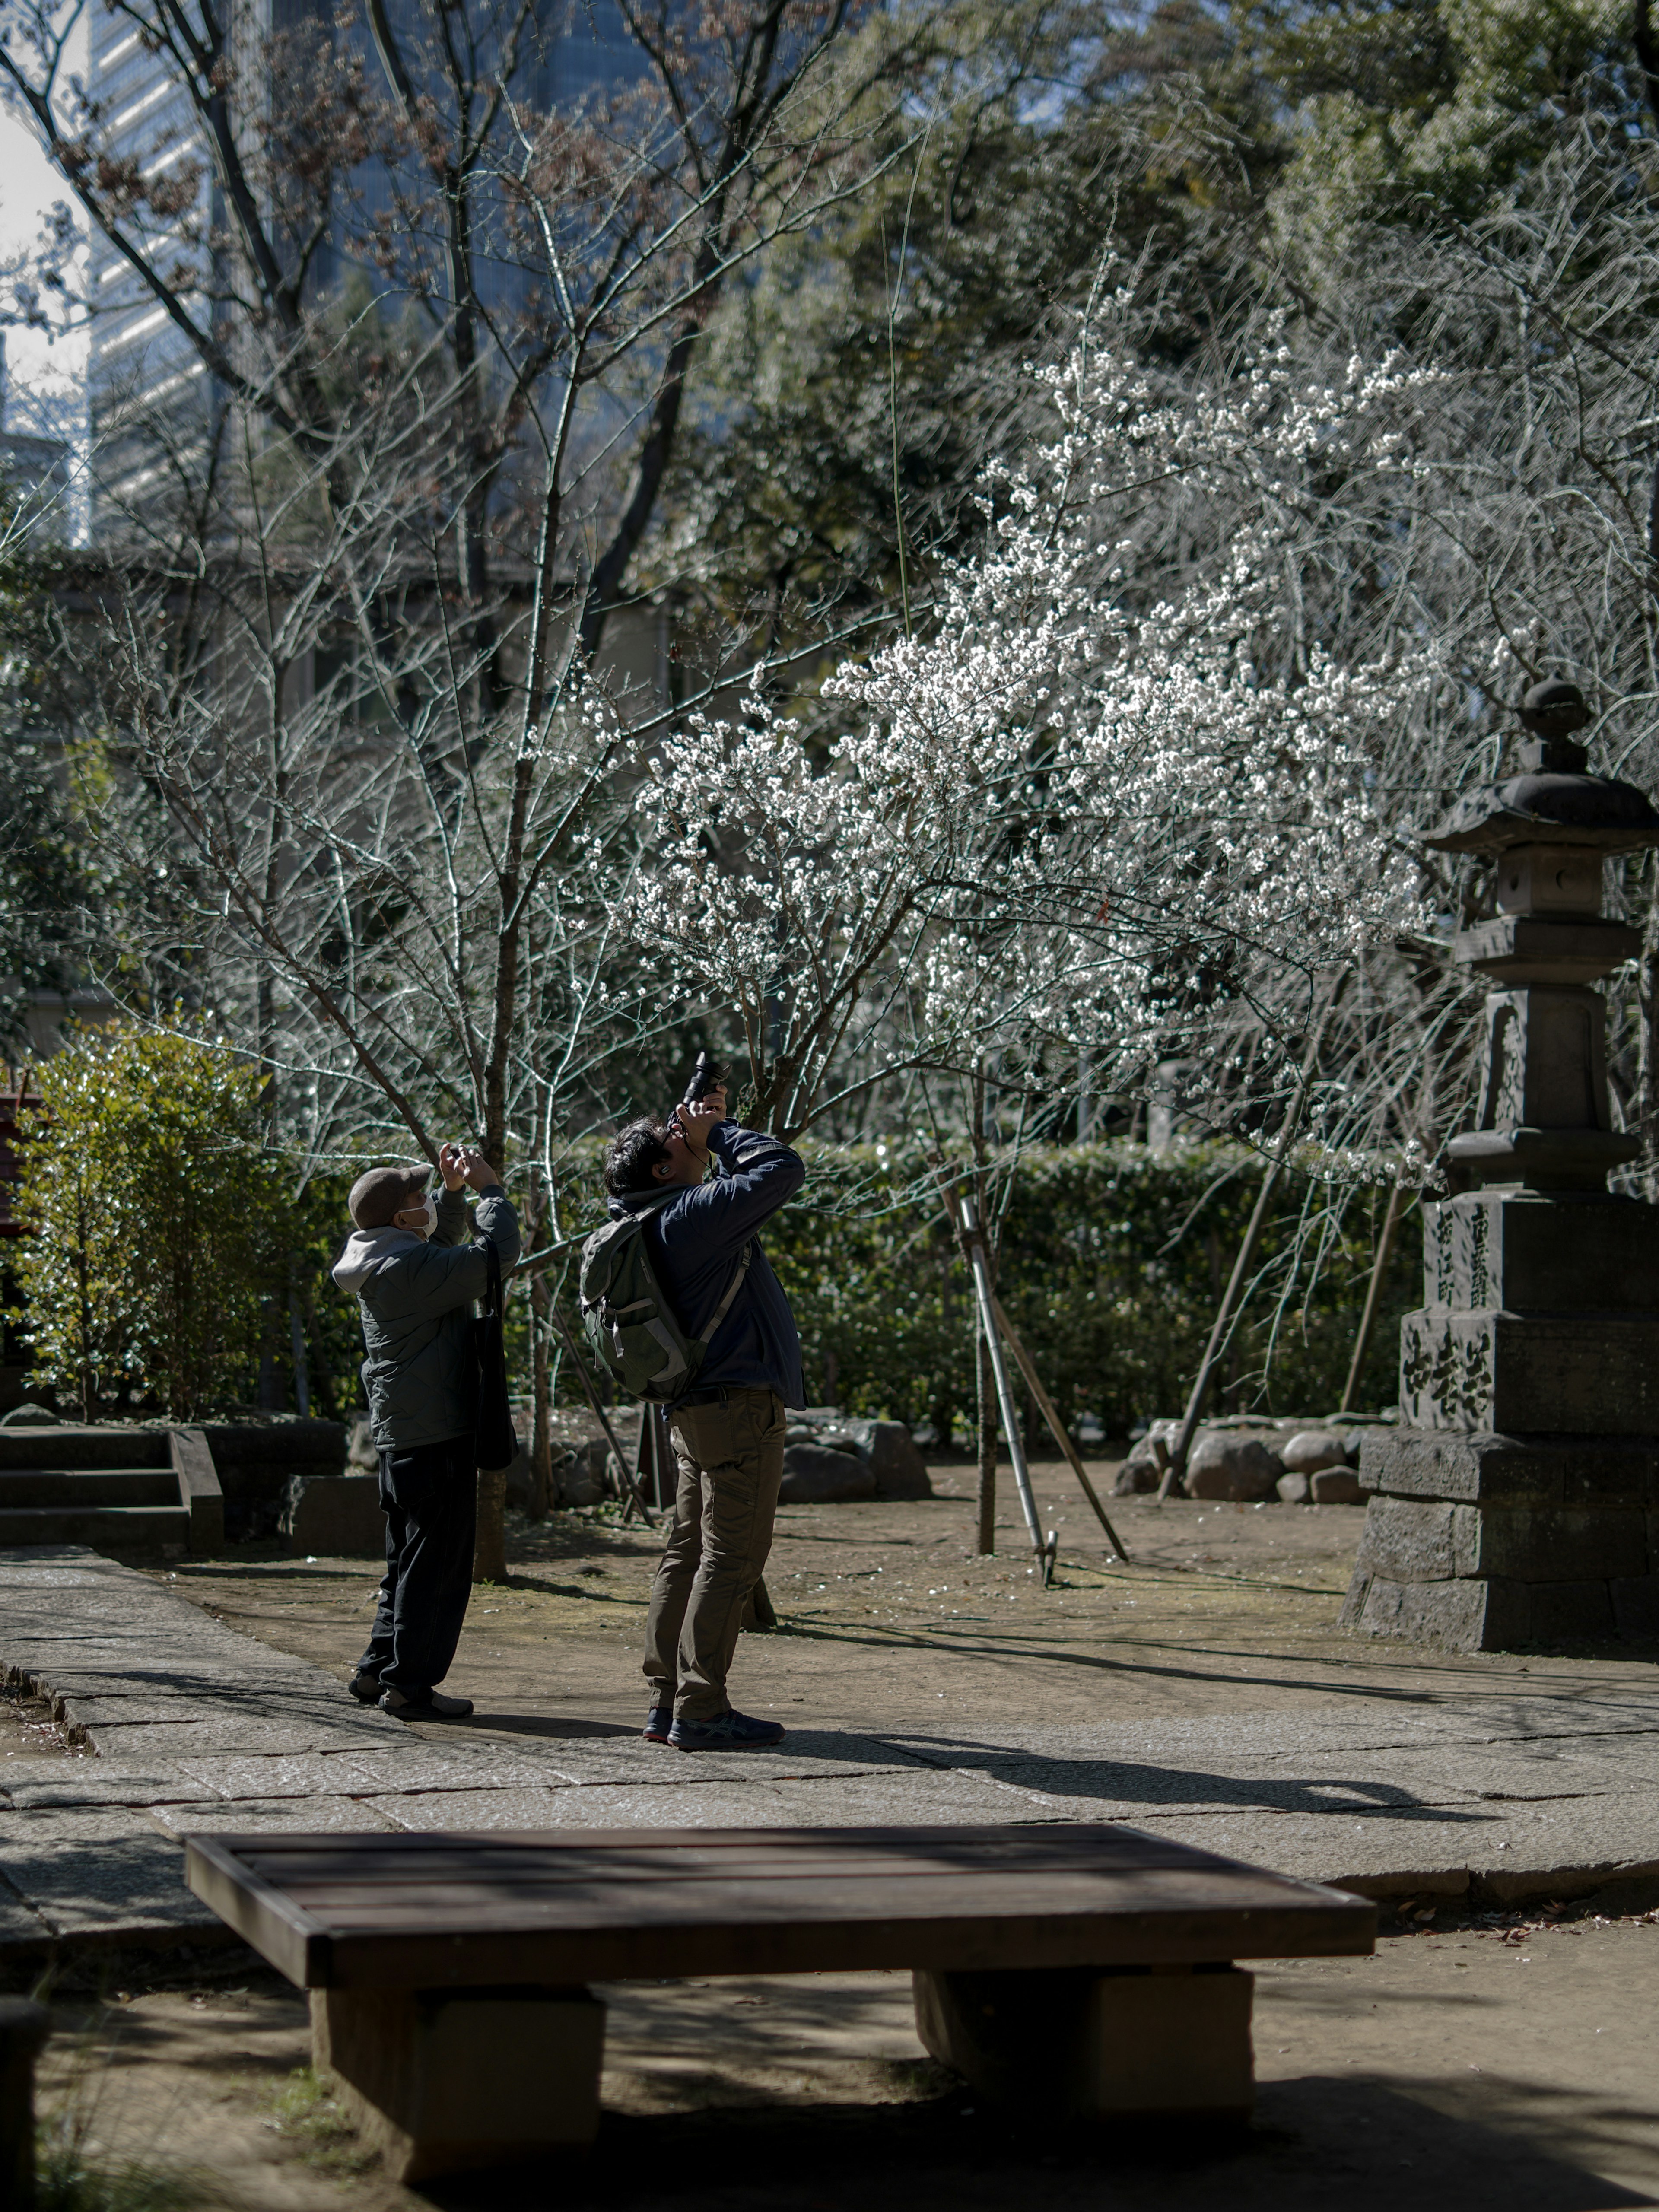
1076 815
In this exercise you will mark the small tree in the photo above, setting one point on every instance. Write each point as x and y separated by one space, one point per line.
158 1219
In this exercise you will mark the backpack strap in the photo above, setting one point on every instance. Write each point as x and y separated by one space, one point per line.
732 1290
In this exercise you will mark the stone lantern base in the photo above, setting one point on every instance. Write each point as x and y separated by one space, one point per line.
1480 1542
1521 1503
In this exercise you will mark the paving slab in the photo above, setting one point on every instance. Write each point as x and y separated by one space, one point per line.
99 1873
268 1816
721 1801
1493 1857
195 1727
65 1783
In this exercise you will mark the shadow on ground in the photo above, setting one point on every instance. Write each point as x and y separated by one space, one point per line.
1315 2141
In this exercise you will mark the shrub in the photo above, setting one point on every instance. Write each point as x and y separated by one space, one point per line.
159 1222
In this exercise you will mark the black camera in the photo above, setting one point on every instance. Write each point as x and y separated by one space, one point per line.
707 1075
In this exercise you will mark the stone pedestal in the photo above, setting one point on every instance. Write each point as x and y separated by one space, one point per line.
1079 2043
1519 1502
452 2080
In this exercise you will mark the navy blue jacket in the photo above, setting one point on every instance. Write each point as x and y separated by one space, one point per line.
694 1242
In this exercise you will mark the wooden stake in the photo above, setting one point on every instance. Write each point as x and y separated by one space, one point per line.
1057 1427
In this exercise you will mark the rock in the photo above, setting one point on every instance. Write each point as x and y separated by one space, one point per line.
886 1448
1231 1466
817 1474
1148 1457
30 1417
899 1468
360 1450
1310 1450
578 1473
334 1516
1293 1490
1337 1486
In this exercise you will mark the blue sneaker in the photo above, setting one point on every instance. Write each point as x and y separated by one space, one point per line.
658 1723
730 1732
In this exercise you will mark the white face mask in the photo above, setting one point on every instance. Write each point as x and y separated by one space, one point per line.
425 1227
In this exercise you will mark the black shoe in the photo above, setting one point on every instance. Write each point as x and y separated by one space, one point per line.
729 1732
366 1688
658 1722
431 1707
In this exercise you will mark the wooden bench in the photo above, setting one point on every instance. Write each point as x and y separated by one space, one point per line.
1091 1965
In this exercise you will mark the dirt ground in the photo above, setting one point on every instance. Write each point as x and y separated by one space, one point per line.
1472 2067
888 1614
1498 2062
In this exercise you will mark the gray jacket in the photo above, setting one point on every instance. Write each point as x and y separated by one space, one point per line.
416 1299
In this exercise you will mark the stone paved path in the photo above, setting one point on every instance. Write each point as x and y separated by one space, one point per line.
195 1726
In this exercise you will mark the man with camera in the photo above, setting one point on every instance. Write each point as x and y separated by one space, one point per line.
415 1270
728 1427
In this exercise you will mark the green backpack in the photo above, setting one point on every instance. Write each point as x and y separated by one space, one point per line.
629 1322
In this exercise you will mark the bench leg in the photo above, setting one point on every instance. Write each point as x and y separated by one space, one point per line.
444 2080
1079 2041
23 2028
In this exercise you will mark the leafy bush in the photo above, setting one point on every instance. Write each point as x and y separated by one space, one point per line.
161 1222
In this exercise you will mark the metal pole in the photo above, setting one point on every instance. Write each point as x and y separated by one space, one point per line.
973 1238
1362 1343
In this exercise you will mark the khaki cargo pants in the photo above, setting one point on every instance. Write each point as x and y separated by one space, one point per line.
730 1454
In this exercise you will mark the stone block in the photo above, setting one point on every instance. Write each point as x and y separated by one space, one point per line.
1293 1490
1537 1544
1635 1605
1076 2043
1408 1539
1456 1616
1591 1374
199 1491
813 1475
1487 1469
334 1516
448 2081
1226 1466
1336 1485
1531 1255
1571 1611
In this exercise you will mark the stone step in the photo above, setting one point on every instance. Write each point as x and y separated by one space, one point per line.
66 1445
105 1527
78 1488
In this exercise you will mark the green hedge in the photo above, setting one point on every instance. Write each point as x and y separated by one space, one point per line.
1112 1263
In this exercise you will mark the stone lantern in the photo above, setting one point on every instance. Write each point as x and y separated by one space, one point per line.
1514 1504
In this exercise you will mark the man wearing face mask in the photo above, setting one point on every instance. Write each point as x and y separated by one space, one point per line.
416 1271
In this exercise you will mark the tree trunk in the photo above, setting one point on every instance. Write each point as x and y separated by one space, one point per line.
985 1429
541 1365
489 1546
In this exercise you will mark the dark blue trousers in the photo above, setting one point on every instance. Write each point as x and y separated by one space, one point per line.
429 1498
